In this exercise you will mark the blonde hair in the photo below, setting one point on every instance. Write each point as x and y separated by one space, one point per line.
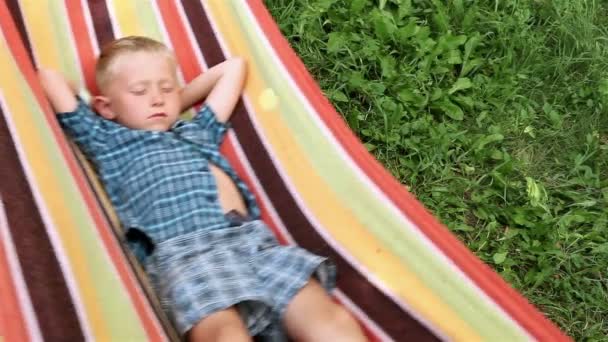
119 47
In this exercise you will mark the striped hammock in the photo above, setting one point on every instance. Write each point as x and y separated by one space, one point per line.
64 271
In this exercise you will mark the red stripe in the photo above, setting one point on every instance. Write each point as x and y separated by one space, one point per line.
184 53
485 278
84 46
140 302
12 320
178 36
187 60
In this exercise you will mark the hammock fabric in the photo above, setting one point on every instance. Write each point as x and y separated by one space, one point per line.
64 271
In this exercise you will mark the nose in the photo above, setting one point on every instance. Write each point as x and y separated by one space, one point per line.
157 98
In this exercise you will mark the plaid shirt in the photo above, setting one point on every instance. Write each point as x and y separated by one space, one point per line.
158 182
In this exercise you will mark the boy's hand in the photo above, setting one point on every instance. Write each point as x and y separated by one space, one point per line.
222 85
60 92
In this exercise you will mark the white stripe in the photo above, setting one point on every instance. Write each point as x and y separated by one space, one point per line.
338 247
379 194
190 35
311 218
233 140
166 40
17 275
215 30
343 298
90 28
271 209
161 25
255 182
113 19
300 202
50 226
131 277
70 37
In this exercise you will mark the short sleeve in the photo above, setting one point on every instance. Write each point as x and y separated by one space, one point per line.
84 126
207 120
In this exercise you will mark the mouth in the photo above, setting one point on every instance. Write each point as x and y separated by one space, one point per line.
158 115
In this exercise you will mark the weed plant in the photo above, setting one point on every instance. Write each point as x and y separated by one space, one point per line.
494 113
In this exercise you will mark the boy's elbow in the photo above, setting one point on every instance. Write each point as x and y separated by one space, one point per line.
45 74
238 60
50 78
58 90
239 63
241 66
47 78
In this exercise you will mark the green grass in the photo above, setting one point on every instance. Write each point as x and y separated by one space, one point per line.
495 114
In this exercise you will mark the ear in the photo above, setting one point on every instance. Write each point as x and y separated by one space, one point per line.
102 106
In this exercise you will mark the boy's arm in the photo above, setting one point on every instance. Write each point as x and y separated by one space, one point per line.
59 91
222 85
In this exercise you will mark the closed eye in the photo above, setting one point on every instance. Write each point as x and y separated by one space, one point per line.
167 89
138 92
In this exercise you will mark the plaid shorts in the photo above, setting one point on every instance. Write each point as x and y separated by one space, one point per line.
206 271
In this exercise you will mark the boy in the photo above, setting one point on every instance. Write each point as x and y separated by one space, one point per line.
219 272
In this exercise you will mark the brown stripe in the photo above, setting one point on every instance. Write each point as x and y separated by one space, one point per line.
101 22
117 229
396 322
13 7
45 283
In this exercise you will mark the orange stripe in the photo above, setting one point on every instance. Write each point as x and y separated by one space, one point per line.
494 286
178 36
12 321
140 302
83 44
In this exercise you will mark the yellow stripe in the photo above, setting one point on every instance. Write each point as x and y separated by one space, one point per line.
126 17
326 206
45 33
36 149
38 21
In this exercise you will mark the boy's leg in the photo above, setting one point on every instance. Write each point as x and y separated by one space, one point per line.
313 316
225 325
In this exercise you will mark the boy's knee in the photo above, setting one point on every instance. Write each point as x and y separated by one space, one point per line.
225 325
339 325
339 318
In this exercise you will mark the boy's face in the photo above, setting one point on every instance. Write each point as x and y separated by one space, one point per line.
143 92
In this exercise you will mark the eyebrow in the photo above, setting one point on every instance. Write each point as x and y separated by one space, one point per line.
147 82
